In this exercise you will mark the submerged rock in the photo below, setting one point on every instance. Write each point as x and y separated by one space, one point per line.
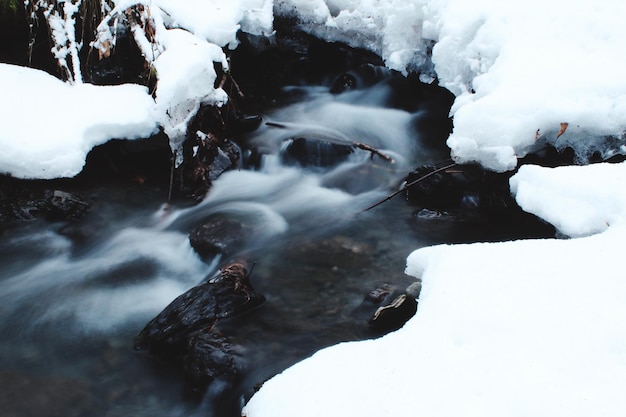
185 332
333 252
218 235
315 153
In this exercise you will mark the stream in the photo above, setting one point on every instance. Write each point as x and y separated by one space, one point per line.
73 295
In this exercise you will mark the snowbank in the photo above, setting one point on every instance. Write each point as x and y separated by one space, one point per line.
518 70
48 126
524 328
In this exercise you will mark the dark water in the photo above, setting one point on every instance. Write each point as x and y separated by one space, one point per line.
73 296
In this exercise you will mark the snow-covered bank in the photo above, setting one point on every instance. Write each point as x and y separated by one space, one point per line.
514 328
48 126
521 73
518 70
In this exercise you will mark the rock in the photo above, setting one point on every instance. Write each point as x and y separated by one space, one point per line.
29 200
343 83
394 314
219 235
227 295
185 332
315 153
379 294
63 205
335 252
209 356
467 202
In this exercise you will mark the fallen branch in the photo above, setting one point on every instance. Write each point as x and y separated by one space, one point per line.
406 186
373 151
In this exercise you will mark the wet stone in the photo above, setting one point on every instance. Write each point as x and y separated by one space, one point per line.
219 235
335 252
185 332
315 153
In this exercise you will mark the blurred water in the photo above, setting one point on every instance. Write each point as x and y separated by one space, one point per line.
70 306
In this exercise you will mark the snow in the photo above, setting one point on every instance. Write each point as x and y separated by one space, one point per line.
516 68
515 328
49 135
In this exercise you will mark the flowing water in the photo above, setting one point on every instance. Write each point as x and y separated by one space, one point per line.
73 296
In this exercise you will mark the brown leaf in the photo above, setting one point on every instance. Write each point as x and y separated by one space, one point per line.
563 128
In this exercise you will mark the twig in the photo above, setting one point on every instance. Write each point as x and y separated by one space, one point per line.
368 148
406 186
169 193
274 124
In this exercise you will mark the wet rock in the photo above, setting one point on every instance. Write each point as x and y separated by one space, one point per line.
219 235
29 200
206 155
379 294
335 252
466 202
343 83
209 356
315 153
442 190
63 205
264 65
392 315
185 332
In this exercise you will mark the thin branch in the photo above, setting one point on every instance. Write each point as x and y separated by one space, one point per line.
373 151
406 186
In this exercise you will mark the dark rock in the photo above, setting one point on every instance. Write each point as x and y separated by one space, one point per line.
124 62
335 252
145 161
392 315
262 66
379 294
63 205
437 191
209 356
219 235
549 156
467 202
25 200
315 153
227 295
206 155
343 83
185 333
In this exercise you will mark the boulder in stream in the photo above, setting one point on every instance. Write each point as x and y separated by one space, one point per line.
307 152
185 332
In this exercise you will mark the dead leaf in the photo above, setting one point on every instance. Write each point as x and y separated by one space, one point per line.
563 128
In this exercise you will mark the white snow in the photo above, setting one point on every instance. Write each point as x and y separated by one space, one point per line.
48 126
521 328
516 68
